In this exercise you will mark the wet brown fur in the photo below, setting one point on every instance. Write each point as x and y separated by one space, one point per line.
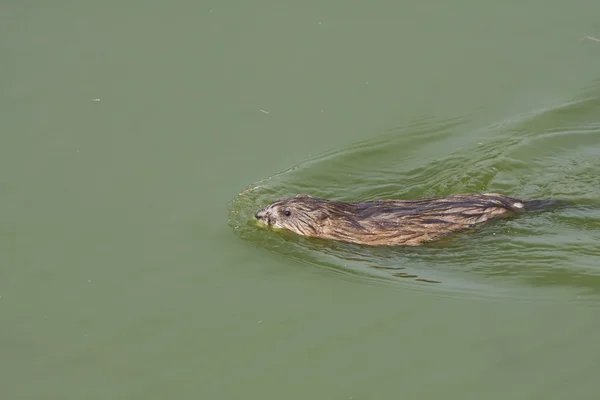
388 222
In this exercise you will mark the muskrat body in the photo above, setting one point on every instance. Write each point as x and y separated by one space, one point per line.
389 222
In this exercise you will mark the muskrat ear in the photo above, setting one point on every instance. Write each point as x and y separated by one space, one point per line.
304 195
322 215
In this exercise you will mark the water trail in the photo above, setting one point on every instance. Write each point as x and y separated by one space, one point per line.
549 153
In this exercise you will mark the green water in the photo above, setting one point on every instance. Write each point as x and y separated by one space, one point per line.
139 138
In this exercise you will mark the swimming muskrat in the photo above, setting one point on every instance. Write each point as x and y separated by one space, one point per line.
390 222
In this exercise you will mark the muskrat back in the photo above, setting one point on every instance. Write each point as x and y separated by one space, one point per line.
390 222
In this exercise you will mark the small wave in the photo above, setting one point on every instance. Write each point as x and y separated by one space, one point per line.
548 153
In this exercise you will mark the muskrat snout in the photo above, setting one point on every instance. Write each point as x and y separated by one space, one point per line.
262 216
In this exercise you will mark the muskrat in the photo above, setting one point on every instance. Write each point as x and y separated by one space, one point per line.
390 222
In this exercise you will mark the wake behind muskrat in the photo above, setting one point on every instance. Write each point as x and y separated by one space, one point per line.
390 222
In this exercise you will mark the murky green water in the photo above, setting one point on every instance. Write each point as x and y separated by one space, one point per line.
138 140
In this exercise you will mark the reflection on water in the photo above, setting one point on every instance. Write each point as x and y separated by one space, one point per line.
552 153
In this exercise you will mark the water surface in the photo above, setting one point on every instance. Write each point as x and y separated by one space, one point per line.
137 139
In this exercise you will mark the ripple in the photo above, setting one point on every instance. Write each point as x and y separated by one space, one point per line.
548 153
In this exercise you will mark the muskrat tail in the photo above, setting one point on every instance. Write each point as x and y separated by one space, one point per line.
543 205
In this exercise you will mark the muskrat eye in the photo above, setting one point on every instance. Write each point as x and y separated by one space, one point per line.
287 213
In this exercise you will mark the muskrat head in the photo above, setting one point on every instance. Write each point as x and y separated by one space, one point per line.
301 214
